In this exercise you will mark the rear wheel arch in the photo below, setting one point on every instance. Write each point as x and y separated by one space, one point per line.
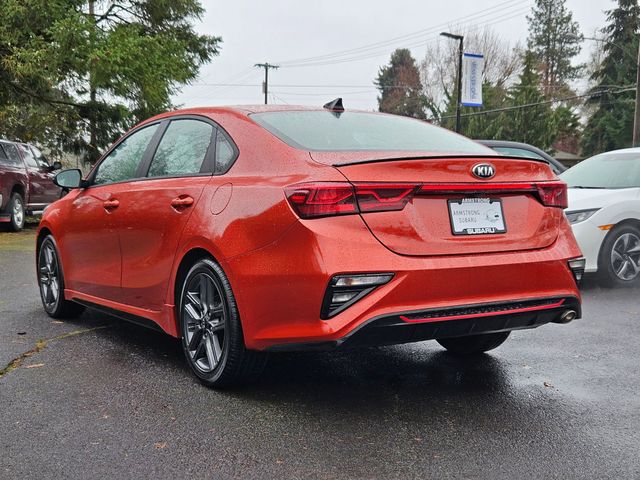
187 261
42 234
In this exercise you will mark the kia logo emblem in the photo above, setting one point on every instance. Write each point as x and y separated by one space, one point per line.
483 170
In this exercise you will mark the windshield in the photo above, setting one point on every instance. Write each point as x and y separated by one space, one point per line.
607 170
361 131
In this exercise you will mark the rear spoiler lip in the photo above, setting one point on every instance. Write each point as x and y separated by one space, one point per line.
437 157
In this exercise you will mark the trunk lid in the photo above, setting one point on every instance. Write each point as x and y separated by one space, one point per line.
447 195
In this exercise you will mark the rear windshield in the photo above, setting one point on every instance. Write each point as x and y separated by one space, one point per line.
607 170
361 131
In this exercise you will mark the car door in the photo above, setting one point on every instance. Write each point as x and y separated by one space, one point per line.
12 172
89 244
37 179
153 212
50 192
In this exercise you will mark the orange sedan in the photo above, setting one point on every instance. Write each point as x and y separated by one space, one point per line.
244 230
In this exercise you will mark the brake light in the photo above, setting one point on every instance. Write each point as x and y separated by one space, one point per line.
311 200
553 194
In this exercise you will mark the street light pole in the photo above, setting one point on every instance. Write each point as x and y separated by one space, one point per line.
460 38
636 118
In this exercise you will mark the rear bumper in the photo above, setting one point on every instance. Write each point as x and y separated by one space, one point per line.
280 288
445 323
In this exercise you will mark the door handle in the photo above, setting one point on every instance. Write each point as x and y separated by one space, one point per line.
111 205
182 202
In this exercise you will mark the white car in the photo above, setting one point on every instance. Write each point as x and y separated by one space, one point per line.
604 211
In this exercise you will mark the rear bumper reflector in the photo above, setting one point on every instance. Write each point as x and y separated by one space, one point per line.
481 311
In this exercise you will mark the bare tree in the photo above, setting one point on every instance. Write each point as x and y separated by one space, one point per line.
439 67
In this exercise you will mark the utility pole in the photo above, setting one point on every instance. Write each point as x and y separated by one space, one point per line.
265 85
636 118
460 38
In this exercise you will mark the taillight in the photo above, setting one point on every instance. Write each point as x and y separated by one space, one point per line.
384 197
553 194
310 200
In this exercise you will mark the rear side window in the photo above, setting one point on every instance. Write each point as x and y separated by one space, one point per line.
225 152
13 157
182 149
3 156
123 161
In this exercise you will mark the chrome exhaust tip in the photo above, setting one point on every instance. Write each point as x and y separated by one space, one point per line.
567 316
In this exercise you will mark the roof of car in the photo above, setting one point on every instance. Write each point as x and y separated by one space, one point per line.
625 150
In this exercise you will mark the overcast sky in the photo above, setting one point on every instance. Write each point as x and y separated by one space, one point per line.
289 32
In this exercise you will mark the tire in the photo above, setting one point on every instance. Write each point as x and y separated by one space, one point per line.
473 344
212 338
619 258
16 210
51 283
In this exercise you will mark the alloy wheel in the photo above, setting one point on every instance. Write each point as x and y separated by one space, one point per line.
18 211
625 256
204 319
49 279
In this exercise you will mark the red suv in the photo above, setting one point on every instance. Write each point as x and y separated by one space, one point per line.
26 183
253 229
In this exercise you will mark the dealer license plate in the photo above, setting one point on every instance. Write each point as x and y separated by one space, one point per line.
476 216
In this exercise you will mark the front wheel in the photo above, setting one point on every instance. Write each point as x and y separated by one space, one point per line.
619 260
51 283
474 344
212 338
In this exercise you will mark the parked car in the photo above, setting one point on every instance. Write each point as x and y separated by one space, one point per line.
252 229
518 149
604 211
26 183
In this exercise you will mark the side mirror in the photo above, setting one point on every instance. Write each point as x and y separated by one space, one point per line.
71 178
56 166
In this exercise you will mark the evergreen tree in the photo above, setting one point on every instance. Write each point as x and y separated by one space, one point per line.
92 68
400 86
554 39
611 125
534 122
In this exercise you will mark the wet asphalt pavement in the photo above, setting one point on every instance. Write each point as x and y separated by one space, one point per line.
100 398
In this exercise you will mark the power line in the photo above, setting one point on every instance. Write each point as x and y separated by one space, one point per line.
546 102
423 42
383 43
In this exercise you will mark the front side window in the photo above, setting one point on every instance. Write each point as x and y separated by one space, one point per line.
123 161
182 149
28 155
40 158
